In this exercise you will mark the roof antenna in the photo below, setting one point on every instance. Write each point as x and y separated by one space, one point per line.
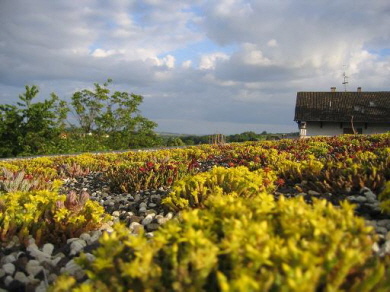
345 79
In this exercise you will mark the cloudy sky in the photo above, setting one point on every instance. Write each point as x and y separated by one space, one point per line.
203 67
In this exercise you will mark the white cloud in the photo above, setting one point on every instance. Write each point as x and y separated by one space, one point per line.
208 61
168 61
100 53
251 55
161 49
272 43
186 64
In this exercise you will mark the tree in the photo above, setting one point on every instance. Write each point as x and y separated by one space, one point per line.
10 131
175 141
116 115
27 129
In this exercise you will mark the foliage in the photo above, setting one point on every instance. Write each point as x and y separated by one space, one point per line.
246 136
193 191
115 115
29 127
47 216
174 142
235 244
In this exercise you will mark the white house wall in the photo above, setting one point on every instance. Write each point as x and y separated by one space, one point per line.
377 129
333 129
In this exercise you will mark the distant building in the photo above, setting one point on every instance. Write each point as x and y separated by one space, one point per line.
333 113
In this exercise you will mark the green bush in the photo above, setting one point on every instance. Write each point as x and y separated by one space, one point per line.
235 244
193 191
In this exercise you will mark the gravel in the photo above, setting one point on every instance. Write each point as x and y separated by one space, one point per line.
34 268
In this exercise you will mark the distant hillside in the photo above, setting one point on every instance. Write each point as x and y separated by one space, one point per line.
168 134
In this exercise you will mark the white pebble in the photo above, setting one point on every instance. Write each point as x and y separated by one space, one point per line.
33 267
73 269
77 246
375 247
9 268
70 240
55 261
149 235
162 220
95 235
90 257
32 246
37 254
41 287
8 259
136 227
8 280
21 277
386 247
48 249
86 237
148 219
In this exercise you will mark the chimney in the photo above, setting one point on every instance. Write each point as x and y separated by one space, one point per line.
333 89
359 89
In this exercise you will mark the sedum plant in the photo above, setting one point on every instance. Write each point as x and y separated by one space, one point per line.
384 198
20 181
48 216
135 176
235 244
193 191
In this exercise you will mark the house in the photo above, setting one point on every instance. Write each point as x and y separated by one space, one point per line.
333 113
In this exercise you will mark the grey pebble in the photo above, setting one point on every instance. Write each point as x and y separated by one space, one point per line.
8 280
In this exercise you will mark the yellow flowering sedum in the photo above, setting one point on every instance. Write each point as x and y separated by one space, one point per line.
43 215
236 244
193 191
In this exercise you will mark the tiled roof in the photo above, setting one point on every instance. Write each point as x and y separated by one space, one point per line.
341 106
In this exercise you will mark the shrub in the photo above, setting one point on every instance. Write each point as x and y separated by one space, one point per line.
237 244
193 191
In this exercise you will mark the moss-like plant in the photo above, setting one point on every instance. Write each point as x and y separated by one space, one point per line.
48 216
384 198
193 191
235 244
